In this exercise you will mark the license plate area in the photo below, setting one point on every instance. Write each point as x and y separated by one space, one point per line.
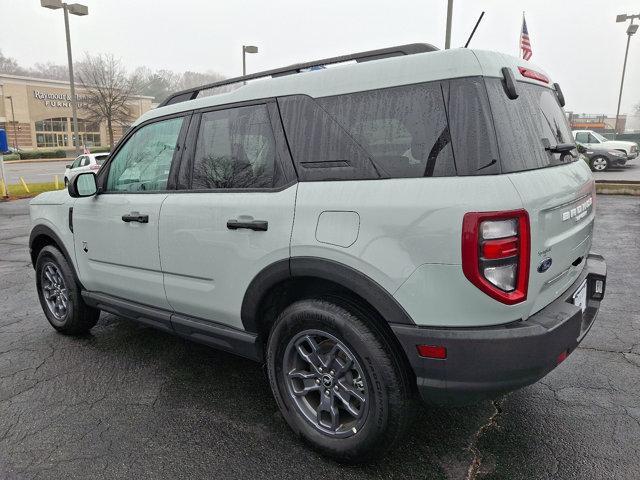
580 296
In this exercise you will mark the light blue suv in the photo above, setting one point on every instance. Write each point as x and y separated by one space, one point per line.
405 222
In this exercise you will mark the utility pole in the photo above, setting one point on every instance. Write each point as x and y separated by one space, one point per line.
630 31
447 38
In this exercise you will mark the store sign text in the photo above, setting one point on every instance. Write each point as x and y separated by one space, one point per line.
59 100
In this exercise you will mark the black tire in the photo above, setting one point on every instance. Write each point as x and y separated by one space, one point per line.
386 389
598 162
77 317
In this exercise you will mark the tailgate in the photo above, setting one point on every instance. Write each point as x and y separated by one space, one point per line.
560 201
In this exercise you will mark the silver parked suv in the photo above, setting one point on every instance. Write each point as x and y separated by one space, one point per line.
404 222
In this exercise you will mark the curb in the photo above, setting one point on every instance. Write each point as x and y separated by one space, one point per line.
39 160
618 188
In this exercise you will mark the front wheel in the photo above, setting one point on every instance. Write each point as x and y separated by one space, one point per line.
59 295
338 384
599 164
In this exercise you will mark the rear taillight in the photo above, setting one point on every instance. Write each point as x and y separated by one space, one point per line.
495 253
94 167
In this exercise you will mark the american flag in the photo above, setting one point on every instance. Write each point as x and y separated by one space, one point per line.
525 44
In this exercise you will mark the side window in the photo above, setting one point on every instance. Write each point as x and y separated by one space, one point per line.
235 149
403 129
472 133
582 137
593 139
76 162
85 161
321 148
390 133
143 163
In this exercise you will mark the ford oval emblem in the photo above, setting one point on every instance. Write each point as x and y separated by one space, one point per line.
545 265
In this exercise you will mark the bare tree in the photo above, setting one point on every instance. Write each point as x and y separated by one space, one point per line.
108 90
10 65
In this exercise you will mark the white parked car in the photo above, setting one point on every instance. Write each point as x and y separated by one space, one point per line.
589 138
90 162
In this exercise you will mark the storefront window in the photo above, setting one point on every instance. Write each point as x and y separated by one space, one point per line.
56 132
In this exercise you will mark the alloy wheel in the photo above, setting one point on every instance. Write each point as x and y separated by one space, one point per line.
326 383
54 291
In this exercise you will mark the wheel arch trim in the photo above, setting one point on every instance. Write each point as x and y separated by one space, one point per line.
357 282
45 231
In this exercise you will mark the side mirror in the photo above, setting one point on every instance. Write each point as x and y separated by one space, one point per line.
67 166
83 185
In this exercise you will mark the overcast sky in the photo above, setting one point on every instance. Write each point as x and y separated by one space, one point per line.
576 41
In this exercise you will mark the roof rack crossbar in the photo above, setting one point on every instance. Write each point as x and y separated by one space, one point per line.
360 57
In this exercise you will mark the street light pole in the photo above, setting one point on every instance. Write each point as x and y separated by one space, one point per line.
74 102
80 10
13 120
247 49
447 38
630 31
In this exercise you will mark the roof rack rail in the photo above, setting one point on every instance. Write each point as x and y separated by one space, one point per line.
367 56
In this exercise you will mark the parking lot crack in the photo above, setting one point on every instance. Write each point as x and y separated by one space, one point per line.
492 422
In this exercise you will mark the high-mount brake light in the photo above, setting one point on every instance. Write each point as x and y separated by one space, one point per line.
495 253
525 72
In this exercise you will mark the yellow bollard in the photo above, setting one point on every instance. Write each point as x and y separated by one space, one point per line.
24 185
3 189
55 180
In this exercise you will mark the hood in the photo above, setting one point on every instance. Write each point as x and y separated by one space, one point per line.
618 144
606 146
54 197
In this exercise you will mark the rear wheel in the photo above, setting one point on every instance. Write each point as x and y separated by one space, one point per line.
599 164
60 296
337 382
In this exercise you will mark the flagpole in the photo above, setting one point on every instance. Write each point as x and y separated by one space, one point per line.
519 50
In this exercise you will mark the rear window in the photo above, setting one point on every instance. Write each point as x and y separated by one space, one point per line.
526 125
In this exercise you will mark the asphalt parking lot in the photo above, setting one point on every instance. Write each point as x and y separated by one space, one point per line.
628 173
131 402
35 172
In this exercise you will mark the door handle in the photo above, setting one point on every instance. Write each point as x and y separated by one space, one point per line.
135 217
258 225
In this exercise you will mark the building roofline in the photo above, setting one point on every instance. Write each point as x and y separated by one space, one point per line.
51 81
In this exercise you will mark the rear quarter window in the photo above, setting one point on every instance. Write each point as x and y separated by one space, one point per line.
398 132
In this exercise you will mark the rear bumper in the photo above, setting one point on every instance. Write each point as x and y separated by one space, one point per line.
482 362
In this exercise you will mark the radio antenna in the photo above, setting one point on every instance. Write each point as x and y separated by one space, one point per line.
474 30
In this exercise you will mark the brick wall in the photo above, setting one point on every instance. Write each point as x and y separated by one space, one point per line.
23 134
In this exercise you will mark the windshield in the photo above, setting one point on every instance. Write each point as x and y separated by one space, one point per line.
530 128
599 137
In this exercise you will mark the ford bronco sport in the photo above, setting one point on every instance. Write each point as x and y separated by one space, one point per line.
403 223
